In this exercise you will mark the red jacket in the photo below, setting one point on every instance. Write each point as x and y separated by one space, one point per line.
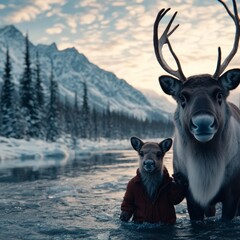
162 209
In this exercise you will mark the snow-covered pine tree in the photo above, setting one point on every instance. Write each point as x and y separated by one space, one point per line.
77 118
68 125
37 122
53 127
108 132
8 118
26 92
85 113
103 124
95 130
21 124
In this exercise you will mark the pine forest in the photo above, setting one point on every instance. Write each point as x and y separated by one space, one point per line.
27 110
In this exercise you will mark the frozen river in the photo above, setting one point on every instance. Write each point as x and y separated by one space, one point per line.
80 199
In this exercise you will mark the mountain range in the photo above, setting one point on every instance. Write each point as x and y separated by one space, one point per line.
71 69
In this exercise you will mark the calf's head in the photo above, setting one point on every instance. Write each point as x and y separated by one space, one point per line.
151 154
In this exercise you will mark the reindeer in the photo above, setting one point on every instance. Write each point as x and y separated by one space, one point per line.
152 193
207 128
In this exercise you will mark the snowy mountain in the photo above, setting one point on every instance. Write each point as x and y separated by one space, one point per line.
159 101
71 69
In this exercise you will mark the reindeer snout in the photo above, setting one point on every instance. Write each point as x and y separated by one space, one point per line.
203 127
149 165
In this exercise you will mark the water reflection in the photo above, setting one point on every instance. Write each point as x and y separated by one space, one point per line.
80 164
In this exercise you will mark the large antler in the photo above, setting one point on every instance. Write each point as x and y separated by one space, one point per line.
159 43
221 67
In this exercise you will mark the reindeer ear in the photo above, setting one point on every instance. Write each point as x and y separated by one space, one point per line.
166 144
230 79
136 143
170 85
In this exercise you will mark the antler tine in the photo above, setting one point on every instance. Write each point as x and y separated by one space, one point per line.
216 75
221 67
160 42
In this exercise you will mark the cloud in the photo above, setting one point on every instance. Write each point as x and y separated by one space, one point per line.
47 4
122 24
65 45
2 6
89 4
31 10
87 19
43 40
119 4
25 14
72 23
135 10
56 29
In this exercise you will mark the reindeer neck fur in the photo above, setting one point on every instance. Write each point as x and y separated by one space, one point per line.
151 182
205 164
205 169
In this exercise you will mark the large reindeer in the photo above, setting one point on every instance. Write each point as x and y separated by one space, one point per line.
207 128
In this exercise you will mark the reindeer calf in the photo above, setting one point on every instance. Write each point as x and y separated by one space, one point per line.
152 193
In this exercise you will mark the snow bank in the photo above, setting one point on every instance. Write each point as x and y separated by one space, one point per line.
11 148
24 153
15 152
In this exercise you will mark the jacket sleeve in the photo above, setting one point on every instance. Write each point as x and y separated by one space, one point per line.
128 199
176 193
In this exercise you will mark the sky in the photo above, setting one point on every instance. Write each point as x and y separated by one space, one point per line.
116 35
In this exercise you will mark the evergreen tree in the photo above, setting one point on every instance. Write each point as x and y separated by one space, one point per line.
37 123
53 126
8 119
108 123
67 117
27 91
85 129
95 130
21 124
77 118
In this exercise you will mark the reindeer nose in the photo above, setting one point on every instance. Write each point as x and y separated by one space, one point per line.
203 127
203 123
149 163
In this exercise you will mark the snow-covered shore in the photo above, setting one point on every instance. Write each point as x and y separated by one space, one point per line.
37 153
15 149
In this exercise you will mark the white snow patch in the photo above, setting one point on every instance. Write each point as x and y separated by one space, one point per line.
37 153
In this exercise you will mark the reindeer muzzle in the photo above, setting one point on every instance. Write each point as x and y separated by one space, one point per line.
203 127
149 165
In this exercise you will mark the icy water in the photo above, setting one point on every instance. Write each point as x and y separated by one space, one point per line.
80 199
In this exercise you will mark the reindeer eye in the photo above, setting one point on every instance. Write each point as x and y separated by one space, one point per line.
183 100
141 153
219 98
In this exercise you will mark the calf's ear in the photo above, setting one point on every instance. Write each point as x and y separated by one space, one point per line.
166 144
170 85
230 79
137 143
